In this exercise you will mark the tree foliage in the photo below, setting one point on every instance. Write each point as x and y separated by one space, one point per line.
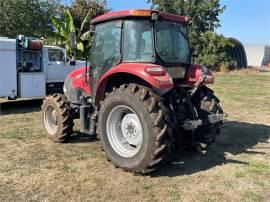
76 17
28 17
51 19
79 9
214 50
64 27
204 14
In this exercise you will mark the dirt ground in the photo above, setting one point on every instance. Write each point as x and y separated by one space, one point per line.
235 168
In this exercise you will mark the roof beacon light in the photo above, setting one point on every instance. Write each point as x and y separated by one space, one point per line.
141 13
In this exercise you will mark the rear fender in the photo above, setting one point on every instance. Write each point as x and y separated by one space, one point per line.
160 84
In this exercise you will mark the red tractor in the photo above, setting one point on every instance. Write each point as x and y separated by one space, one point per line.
141 95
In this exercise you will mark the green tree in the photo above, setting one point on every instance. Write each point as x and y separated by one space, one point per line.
63 29
28 17
76 17
80 8
204 14
214 51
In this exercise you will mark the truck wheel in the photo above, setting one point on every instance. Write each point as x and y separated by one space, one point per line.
57 120
133 129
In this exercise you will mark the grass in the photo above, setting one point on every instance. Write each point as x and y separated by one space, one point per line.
235 168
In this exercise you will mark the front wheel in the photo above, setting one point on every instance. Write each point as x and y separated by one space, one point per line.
133 129
57 120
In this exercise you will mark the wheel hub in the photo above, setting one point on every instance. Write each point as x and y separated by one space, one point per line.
131 129
124 131
51 120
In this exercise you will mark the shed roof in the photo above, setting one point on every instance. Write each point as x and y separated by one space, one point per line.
257 55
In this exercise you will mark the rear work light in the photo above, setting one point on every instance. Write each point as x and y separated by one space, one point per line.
142 13
155 71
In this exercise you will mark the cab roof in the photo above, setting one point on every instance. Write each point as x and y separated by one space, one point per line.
137 13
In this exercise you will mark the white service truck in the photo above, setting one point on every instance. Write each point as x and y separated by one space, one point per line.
28 69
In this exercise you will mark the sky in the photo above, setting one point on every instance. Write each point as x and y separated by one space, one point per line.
245 20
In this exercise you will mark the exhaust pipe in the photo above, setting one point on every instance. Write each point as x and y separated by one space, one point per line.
84 110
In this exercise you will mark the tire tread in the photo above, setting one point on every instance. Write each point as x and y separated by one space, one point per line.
66 118
158 114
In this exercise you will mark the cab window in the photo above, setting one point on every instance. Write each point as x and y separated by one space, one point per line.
138 41
56 55
106 52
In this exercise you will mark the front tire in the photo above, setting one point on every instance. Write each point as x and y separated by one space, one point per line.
133 129
57 119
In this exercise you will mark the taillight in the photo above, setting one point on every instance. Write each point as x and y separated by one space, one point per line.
195 72
155 70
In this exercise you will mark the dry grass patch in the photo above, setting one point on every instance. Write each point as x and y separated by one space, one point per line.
235 168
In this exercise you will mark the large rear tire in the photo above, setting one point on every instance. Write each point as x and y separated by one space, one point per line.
57 120
133 128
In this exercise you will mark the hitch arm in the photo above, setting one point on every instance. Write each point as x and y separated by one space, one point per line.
197 85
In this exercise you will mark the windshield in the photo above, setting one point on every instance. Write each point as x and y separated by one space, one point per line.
172 42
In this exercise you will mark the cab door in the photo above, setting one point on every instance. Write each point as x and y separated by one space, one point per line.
106 51
57 65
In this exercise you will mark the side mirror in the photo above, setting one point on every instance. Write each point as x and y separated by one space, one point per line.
65 57
73 40
72 62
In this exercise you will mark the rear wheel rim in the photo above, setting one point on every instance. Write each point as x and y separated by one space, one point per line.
51 120
124 131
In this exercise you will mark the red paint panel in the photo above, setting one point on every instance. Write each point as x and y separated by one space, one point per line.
162 83
139 70
172 17
110 16
194 74
128 13
79 80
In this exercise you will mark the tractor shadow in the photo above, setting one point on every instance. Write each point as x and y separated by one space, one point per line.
236 138
20 106
78 137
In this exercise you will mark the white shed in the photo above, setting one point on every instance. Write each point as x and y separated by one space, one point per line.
257 56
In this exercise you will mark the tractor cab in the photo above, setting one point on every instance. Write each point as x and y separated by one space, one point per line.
141 37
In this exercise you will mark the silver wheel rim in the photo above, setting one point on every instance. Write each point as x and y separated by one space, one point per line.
124 131
51 120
